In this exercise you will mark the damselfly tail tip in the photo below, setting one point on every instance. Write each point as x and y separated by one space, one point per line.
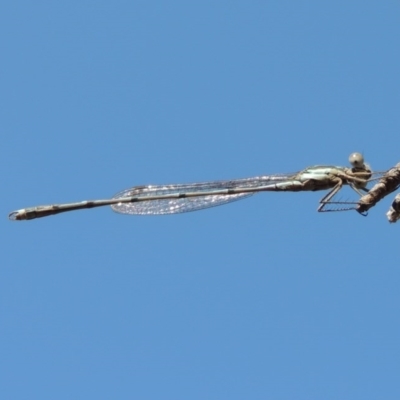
16 215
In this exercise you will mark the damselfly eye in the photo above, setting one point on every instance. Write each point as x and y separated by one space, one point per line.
356 160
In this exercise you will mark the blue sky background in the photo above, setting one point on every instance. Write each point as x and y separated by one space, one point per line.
260 299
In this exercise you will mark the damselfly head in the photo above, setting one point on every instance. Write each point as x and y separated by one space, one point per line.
357 160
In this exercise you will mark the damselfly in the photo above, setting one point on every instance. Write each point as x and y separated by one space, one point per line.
179 198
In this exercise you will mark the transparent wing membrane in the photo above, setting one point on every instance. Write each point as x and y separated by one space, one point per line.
175 206
181 205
